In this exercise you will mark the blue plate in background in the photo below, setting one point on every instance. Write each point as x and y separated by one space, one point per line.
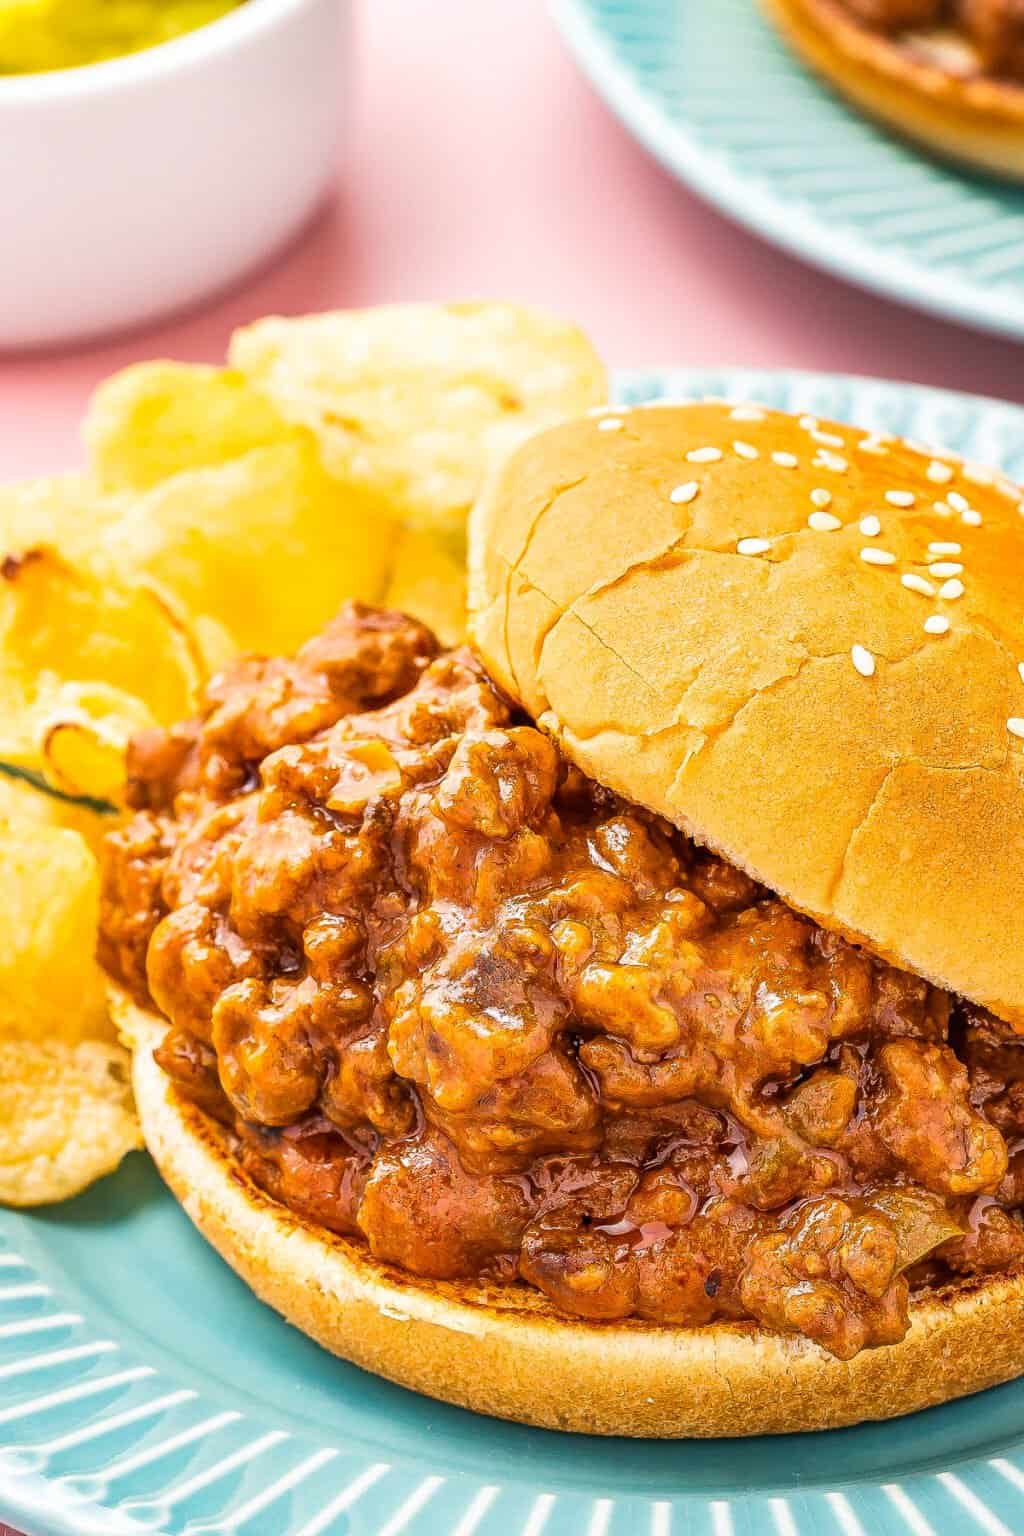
710 89
143 1389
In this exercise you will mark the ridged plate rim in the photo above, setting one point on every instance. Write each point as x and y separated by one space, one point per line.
676 142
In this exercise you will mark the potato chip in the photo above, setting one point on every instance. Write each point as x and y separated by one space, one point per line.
65 512
420 400
26 803
153 420
72 735
214 640
264 549
66 1114
84 730
81 656
66 1117
51 987
70 622
429 581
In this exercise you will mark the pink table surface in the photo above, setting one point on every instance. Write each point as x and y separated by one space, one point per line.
478 165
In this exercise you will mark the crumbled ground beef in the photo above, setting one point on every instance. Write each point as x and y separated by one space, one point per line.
456 999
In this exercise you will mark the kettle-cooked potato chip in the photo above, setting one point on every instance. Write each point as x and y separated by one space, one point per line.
265 547
26 803
81 651
65 512
66 1117
83 731
66 1113
153 420
420 400
429 581
64 621
51 987
73 736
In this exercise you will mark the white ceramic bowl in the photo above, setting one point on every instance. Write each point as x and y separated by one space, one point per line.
132 188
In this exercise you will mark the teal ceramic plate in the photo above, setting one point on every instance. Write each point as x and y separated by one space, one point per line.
713 93
144 1390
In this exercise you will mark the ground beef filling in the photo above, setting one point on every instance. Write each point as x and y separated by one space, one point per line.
992 29
452 997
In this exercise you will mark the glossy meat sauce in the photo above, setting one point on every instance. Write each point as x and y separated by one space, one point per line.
993 28
454 998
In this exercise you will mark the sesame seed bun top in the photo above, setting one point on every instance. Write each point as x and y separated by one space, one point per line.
802 643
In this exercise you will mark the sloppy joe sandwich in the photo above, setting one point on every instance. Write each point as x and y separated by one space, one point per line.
619 1026
948 73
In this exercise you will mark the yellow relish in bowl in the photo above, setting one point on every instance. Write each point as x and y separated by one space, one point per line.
41 35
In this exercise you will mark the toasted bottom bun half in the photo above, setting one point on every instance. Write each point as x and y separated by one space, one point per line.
503 1350
974 119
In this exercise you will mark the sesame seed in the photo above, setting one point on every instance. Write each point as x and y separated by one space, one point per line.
821 497
745 450
1020 669
978 474
900 498
957 502
870 526
604 410
936 624
785 460
972 518
941 473
747 413
753 546
684 493
809 423
944 568
823 522
830 439
915 583
833 461
1015 726
872 444
942 508
950 547
863 660
951 590
877 557
704 455
609 424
